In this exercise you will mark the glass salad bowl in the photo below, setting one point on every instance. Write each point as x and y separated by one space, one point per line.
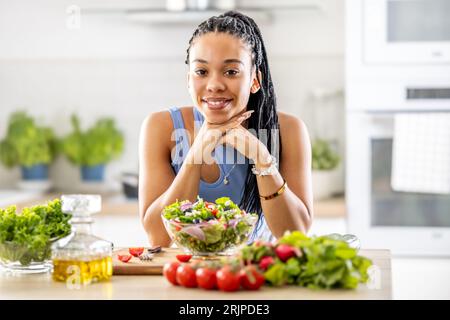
352 240
26 237
208 229
23 259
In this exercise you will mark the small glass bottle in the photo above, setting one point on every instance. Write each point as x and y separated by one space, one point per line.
81 257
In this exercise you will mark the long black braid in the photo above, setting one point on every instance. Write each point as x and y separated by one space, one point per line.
262 102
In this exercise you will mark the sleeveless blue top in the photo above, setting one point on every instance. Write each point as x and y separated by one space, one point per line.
232 164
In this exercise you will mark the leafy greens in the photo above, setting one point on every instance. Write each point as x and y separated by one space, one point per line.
27 236
319 262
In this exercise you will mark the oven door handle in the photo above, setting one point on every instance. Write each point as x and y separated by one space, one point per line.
393 112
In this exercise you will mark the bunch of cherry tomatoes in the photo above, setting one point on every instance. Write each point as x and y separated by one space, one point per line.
212 276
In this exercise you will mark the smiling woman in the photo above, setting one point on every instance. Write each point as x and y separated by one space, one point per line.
230 142
211 73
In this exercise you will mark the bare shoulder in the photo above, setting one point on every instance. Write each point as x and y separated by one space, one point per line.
157 127
158 120
291 126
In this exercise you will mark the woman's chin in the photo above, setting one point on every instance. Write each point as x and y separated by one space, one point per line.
215 118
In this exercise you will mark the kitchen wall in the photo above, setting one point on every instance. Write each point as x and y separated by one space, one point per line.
112 66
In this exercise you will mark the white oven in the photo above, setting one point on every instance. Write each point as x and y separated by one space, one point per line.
406 31
407 223
397 61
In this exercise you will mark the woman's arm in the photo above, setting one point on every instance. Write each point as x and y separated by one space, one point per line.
158 185
293 210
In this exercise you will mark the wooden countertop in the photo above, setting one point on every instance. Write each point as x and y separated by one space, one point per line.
41 286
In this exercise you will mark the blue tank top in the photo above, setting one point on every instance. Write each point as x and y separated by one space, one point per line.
232 165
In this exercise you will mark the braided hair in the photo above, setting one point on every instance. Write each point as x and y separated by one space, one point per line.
263 102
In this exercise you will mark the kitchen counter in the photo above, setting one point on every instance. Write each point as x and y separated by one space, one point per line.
41 286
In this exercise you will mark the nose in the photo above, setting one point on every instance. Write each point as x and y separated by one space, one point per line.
215 83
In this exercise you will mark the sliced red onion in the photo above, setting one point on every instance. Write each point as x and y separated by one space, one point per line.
195 231
233 222
186 206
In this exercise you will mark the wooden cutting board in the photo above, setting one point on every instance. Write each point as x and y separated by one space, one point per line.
137 267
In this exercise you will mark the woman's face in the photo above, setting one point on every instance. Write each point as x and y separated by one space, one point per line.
221 76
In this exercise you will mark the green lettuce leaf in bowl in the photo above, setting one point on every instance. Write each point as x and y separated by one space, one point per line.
26 237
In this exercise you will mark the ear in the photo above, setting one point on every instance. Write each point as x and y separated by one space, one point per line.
256 83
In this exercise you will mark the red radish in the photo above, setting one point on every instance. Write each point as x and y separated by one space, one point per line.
265 262
284 252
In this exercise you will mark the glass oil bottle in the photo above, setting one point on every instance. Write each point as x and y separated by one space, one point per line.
81 258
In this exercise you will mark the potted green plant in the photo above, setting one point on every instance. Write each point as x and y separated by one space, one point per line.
29 146
94 148
324 163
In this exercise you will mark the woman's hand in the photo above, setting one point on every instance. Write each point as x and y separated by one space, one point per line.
210 135
248 145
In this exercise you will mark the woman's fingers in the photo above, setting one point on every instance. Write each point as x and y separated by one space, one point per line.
239 119
232 122
236 122
218 132
246 114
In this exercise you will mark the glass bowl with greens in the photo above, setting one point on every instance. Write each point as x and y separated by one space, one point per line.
26 237
207 229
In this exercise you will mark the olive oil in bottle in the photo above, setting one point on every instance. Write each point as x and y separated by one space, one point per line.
81 257
87 271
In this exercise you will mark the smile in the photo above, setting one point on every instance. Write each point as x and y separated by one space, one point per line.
217 104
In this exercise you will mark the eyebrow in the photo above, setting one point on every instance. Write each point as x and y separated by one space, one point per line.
225 61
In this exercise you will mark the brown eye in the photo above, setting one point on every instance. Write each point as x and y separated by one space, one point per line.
231 72
200 72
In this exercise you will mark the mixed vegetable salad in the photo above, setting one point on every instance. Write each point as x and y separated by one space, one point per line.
205 228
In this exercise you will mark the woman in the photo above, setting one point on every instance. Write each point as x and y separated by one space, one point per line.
185 152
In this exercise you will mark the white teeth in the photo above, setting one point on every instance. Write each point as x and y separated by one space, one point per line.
215 103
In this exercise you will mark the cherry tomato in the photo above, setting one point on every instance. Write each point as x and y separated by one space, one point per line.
251 278
124 257
184 257
186 276
227 279
136 252
206 278
170 271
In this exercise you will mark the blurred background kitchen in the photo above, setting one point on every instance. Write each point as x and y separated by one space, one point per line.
353 70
